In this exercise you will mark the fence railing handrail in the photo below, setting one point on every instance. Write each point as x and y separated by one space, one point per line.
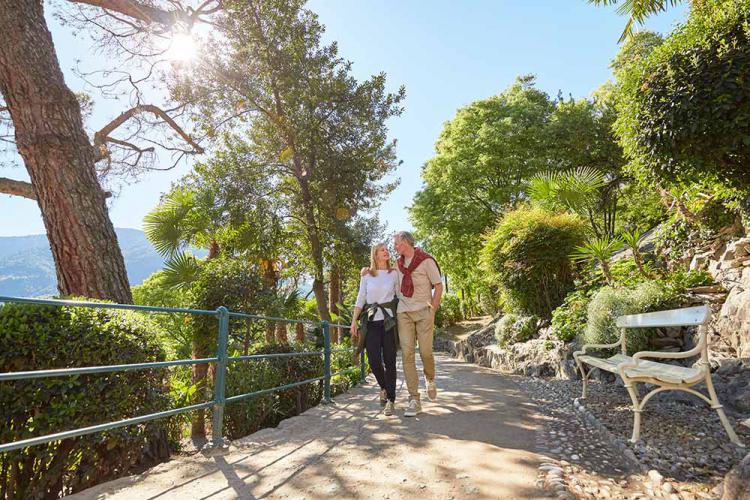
221 360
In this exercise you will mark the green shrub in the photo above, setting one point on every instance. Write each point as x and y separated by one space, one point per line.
449 312
249 415
610 302
682 113
569 320
45 337
513 328
527 256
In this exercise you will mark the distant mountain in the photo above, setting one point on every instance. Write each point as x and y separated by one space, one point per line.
27 268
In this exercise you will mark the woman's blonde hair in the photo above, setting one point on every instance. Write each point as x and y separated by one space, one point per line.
373 262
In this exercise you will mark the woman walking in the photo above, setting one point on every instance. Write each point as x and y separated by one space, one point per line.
375 320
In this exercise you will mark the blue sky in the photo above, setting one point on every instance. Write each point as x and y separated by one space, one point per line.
446 53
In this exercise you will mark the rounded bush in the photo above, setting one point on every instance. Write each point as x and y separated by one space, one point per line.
513 328
527 256
44 337
609 302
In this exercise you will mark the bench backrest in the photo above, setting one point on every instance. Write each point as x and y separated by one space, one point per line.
688 316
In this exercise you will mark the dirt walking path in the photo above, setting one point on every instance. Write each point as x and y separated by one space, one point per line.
476 441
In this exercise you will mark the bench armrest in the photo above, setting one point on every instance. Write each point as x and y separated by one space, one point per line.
700 348
596 346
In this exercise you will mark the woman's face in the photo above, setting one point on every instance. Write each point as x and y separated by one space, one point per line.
382 254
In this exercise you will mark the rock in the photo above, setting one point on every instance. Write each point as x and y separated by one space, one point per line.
667 488
736 484
655 477
733 324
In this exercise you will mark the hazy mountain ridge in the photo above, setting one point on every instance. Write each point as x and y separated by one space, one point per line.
27 268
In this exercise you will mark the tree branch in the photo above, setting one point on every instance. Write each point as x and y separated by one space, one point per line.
17 188
153 15
138 10
103 136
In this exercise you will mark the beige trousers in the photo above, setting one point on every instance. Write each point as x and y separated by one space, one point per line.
413 327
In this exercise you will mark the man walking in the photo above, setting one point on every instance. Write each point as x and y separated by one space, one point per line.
419 275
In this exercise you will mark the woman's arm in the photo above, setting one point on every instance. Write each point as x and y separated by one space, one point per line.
361 297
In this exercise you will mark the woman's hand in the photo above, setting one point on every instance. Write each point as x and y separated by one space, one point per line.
364 271
354 330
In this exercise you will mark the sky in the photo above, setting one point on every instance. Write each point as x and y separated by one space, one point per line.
446 53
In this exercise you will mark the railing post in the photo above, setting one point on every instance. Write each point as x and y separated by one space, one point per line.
362 367
221 370
326 361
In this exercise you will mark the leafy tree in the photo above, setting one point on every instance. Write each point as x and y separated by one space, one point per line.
683 112
485 157
306 114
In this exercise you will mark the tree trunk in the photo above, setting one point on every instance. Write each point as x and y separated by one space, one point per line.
334 297
282 336
311 229
299 330
58 157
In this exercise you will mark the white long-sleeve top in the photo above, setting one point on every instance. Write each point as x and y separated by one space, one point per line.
377 289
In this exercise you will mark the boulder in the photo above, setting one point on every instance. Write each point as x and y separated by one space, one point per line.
737 481
733 322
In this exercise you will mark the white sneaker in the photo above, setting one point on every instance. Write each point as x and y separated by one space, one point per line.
383 397
389 407
413 409
431 390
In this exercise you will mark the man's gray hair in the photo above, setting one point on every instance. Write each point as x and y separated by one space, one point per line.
405 236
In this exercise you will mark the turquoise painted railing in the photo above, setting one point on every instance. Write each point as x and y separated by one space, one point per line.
221 360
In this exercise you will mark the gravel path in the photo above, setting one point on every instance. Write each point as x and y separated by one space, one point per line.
476 441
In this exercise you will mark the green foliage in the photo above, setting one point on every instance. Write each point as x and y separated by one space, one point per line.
43 337
449 312
569 320
527 256
637 12
176 328
514 328
484 158
602 249
249 415
683 112
610 302
574 190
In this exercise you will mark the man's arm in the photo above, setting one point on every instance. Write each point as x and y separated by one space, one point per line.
436 296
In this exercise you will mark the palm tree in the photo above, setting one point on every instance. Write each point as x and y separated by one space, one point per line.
584 191
637 11
631 239
601 249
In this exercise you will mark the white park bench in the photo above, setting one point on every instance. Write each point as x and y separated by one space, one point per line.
667 377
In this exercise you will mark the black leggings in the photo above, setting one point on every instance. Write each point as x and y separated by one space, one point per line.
381 353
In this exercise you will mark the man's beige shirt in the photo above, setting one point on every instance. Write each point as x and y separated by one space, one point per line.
424 277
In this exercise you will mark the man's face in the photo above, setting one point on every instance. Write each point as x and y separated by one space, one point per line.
400 245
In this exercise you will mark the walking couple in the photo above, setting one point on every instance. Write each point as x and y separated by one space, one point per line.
398 305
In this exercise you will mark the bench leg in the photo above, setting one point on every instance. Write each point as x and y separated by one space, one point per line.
716 405
584 379
630 386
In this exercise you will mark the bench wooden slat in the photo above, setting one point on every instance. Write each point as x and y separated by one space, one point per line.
688 316
647 369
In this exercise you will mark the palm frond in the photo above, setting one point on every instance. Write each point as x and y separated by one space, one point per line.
181 270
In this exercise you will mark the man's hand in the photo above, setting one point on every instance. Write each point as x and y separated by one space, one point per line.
355 332
364 271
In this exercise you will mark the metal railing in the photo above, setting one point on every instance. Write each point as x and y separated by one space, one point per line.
221 360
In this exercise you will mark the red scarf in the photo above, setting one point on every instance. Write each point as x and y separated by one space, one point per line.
407 285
